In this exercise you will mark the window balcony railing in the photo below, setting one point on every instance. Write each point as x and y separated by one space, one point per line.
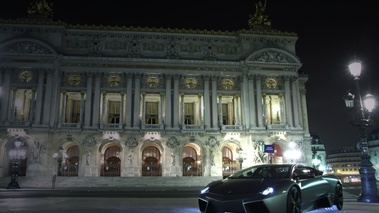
70 125
231 127
192 127
111 126
152 126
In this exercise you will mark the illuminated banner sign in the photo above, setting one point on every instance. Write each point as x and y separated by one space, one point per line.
269 148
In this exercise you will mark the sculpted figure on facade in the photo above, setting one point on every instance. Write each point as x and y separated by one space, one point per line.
88 158
258 154
131 143
26 47
37 151
172 143
89 141
259 18
172 50
211 143
134 48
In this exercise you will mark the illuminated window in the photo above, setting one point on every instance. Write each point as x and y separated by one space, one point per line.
114 112
151 113
75 115
189 113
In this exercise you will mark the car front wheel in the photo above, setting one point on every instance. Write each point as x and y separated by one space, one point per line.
294 201
338 197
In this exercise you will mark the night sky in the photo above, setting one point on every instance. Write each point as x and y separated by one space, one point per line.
331 34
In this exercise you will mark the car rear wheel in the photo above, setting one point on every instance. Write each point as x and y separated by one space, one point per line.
338 197
294 201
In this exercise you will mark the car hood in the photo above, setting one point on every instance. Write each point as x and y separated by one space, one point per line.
230 186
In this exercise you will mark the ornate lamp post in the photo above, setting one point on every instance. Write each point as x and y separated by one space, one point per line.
362 120
240 157
315 158
59 157
16 154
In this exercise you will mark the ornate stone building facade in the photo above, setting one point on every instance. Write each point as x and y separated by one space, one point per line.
119 101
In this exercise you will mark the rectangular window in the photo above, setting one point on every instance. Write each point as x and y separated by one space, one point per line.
151 116
75 115
228 113
114 112
189 117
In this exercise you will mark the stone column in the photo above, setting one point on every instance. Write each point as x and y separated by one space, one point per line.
88 114
252 108
214 103
288 101
295 97
41 77
47 102
136 112
96 102
259 101
207 110
176 102
129 82
168 111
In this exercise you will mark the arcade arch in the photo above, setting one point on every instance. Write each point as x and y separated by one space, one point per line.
191 160
110 160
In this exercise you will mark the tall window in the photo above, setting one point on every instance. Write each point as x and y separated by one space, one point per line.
189 117
22 104
229 165
151 165
114 112
227 114
75 115
273 109
151 113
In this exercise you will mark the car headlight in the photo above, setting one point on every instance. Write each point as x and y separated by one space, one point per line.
267 191
205 190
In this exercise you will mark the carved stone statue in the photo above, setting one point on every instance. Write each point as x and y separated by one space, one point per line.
259 19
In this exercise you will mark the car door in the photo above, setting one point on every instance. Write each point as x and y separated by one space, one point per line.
312 185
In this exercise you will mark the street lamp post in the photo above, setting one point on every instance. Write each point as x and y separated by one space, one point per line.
59 157
240 157
362 120
16 154
315 158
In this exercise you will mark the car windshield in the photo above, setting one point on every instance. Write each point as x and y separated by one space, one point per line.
264 171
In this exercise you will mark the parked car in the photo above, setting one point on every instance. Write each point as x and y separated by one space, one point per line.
275 188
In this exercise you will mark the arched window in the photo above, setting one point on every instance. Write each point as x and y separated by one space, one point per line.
71 165
17 153
229 165
151 165
191 163
112 162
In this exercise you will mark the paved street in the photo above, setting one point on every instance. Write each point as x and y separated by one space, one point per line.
130 201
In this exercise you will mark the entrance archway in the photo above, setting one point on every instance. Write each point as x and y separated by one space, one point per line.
229 164
71 166
191 161
17 152
112 162
151 165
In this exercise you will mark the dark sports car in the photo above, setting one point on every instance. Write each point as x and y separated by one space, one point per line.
272 188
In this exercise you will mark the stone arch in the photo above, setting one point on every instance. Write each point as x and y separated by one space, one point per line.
111 158
191 159
16 152
229 157
279 144
151 157
72 162
273 56
27 46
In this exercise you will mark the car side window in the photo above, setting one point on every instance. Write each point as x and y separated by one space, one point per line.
303 173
